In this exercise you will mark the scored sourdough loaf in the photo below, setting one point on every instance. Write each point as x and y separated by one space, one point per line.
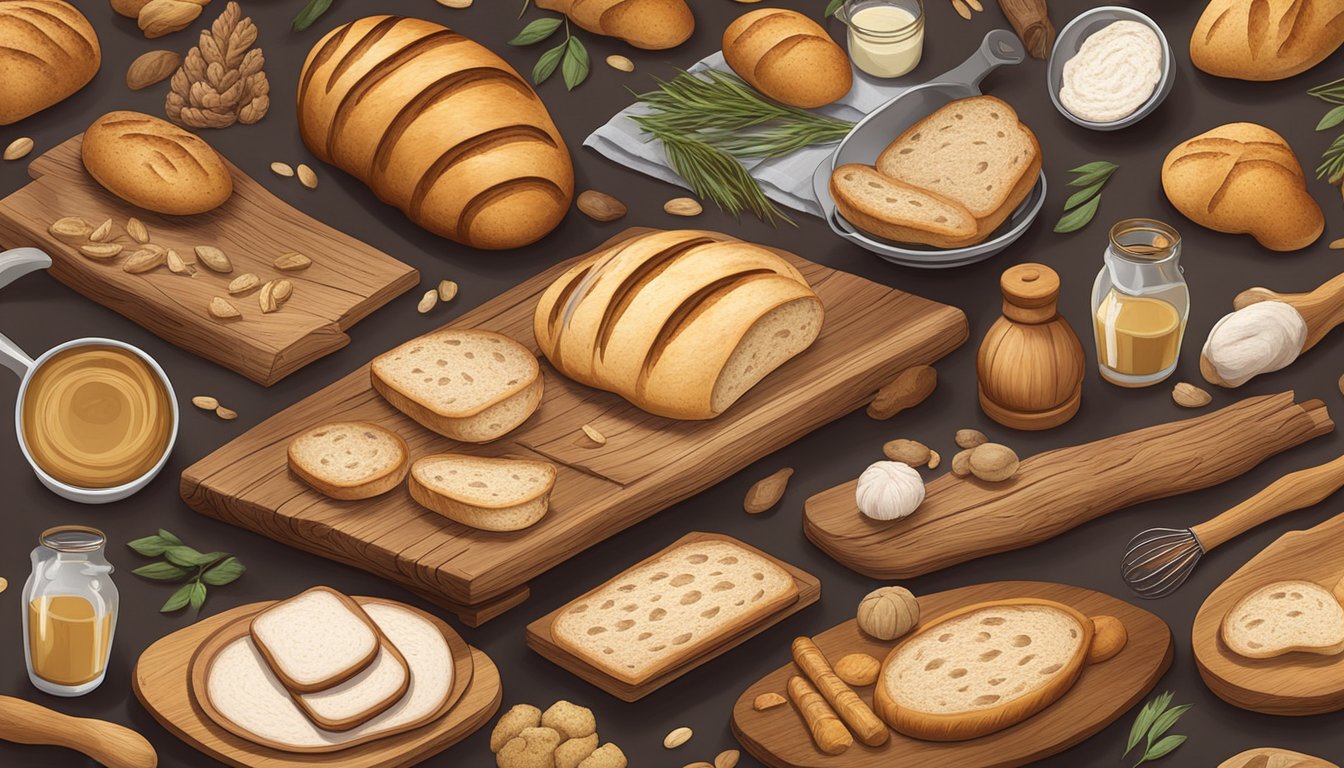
153 164
649 24
788 57
985 667
680 323
1266 39
48 51
1285 617
440 127
316 639
490 494
898 211
470 385
350 459
655 616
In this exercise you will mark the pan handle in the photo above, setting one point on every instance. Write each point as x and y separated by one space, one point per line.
16 263
998 48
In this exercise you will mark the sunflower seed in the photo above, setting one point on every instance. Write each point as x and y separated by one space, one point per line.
447 290
18 148
594 435
243 283
70 229
214 258
617 61
220 308
137 230
427 302
292 262
306 176
205 402
101 232
144 260
100 251
175 263
677 737
282 169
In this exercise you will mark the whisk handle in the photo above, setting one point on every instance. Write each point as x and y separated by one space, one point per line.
1289 493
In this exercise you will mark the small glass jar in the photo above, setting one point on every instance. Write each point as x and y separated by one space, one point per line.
1140 304
886 37
70 611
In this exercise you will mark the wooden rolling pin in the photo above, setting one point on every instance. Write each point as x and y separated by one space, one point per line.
115 746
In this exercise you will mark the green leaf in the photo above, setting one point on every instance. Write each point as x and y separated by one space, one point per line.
576 65
1094 166
547 63
169 537
1165 721
536 32
150 546
197 595
1082 196
1079 217
1092 177
189 558
1162 749
1145 719
310 13
162 571
179 599
832 8
1332 118
224 573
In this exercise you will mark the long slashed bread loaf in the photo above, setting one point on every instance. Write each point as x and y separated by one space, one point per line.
438 126
681 323
1284 617
1244 178
48 50
153 164
1266 39
650 24
788 57
655 616
986 667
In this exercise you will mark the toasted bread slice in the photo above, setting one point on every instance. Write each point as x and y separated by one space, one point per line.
350 459
485 493
1284 617
892 209
316 639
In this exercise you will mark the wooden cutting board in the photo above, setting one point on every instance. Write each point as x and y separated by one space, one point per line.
347 280
162 683
1104 692
539 631
1052 492
1293 684
648 463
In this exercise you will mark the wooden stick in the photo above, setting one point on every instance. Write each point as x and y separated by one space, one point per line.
857 715
115 746
1299 490
831 735
1031 21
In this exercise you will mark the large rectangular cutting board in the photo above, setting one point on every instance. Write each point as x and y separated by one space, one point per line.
648 463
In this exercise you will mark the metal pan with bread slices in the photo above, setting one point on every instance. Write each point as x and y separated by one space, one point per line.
872 134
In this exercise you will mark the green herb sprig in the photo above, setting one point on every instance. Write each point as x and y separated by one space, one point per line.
832 8
310 13
182 562
1154 720
1082 205
1332 161
570 56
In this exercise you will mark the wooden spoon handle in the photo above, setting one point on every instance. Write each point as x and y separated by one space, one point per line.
1323 308
1291 492
115 746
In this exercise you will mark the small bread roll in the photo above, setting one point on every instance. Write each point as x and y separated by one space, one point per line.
48 50
788 57
155 165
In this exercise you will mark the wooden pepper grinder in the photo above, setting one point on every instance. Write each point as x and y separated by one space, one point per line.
1030 365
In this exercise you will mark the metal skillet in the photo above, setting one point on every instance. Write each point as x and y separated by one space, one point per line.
873 133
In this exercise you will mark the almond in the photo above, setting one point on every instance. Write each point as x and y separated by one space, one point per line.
617 61
594 435
910 388
273 294
214 259
767 492
282 169
911 452
858 669
227 414
152 68
164 17
292 262
100 251
306 176
1189 396
221 309
447 290
427 302
243 283
677 737
144 260
683 206
205 402
137 230
600 206
175 263
283 290
18 148
767 701
728 758
101 232
70 229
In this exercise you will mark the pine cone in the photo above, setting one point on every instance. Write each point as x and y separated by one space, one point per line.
222 80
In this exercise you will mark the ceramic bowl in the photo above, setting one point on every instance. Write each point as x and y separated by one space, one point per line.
1071 38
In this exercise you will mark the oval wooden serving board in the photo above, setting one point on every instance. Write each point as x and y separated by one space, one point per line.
1292 684
1105 691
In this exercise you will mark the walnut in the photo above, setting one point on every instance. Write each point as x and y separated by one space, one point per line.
888 613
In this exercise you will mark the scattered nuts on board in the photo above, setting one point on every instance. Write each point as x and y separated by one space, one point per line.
887 613
18 148
970 438
1189 396
70 229
600 206
243 283
767 492
282 169
617 61
993 462
292 262
676 737
273 294
727 758
961 463
144 260
222 309
935 459
427 302
100 251
227 414
101 232
175 263
564 736
910 388
307 177
137 230
911 452
594 435
214 259
205 402
767 701
152 68
447 290
683 206
858 669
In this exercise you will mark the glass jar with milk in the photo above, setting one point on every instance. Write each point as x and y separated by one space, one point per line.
886 37
1140 303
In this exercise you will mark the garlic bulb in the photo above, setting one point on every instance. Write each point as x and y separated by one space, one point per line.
1257 338
889 490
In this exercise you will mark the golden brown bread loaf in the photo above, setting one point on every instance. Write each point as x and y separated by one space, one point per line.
155 165
1243 178
681 323
1266 39
438 126
654 25
48 51
788 57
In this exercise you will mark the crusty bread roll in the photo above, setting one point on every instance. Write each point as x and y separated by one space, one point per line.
654 25
788 57
155 165
438 126
1243 178
48 51
1266 39
680 323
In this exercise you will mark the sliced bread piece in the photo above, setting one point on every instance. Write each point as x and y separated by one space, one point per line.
655 616
316 639
894 210
362 697
470 385
350 459
1284 617
485 493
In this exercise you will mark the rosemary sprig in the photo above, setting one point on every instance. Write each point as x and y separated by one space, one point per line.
1154 720
717 176
1332 161
182 562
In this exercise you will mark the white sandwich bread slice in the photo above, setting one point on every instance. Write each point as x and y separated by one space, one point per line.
362 697
1285 617
469 385
316 639
491 494
350 460
894 210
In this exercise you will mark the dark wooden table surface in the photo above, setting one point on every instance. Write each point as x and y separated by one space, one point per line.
37 313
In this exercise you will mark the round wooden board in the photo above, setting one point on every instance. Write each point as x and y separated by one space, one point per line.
1105 691
162 682
1273 757
1292 684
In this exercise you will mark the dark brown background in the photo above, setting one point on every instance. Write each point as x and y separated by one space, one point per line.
38 313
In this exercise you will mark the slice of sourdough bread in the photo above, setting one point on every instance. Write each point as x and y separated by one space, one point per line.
1284 617
470 385
350 460
892 209
361 698
485 493
316 639
655 616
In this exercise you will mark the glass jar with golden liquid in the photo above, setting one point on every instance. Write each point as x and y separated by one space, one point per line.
1140 303
70 611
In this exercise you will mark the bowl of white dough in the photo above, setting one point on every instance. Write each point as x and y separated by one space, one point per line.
1110 68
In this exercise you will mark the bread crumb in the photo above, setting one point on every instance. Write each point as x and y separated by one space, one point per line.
519 717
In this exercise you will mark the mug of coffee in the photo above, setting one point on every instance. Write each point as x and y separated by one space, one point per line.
96 418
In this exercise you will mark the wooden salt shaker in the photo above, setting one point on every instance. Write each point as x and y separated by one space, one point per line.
1030 365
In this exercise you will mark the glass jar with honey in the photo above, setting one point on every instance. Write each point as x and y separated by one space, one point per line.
1140 303
70 611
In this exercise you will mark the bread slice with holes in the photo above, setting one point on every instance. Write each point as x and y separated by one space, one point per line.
894 210
657 615
490 494
350 459
316 640
1285 617
470 385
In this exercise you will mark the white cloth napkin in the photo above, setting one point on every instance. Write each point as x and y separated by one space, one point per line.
786 180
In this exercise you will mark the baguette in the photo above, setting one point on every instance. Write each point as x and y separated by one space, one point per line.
649 24
897 211
828 732
350 460
488 494
48 51
1266 39
788 57
155 165
1285 617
